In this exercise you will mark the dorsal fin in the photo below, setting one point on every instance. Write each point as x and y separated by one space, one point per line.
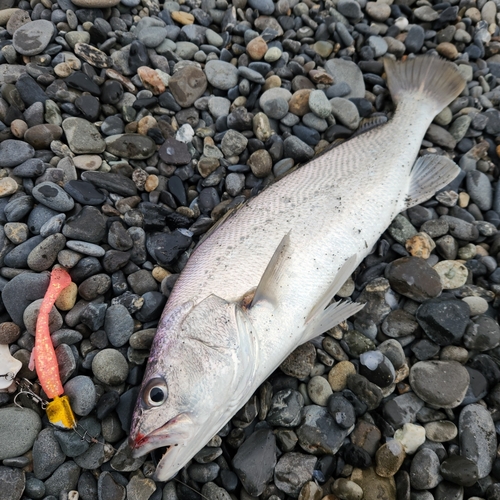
270 281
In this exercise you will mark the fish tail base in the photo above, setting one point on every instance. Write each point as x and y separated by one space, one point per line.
430 80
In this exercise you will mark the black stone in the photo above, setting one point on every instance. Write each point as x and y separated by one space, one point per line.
176 187
138 56
444 319
357 456
166 247
30 91
154 303
80 81
87 225
84 192
341 410
174 152
112 92
89 106
255 460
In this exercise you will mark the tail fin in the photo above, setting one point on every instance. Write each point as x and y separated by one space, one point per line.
425 78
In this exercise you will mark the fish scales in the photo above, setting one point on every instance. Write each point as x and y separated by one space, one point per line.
293 246
320 202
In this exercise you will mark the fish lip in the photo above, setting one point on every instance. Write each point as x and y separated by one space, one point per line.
168 434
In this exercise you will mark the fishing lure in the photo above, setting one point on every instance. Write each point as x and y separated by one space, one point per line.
43 356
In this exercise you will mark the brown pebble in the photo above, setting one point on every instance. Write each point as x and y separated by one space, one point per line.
187 85
18 128
274 81
257 48
320 76
389 458
207 165
146 123
300 362
8 186
159 273
63 70
182 17
299 103
9 332
337 377
40 136
420 245
447 50
151 80
260 162
67 298
151 183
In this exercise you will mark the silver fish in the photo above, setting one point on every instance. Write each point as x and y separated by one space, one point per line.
261 284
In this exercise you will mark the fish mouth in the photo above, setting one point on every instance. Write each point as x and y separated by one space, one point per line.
171 434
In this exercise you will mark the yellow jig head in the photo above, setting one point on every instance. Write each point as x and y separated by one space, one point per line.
60 414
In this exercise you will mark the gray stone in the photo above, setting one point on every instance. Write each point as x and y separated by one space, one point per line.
32 38
478 441
222 75
24 424
83 137
347 72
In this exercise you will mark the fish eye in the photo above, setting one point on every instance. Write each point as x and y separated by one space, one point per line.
155 393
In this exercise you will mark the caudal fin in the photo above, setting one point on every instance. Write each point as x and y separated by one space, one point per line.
428 79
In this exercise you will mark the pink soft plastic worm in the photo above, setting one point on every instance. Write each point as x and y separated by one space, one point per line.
44 354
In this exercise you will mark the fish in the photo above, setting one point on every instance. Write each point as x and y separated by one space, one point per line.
261 283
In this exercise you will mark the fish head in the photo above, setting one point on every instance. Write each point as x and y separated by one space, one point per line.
198 363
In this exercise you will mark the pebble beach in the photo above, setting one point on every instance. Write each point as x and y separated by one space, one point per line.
129 128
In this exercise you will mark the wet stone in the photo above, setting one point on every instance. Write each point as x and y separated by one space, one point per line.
440 383
292 471
424 470
87 225
300 362
115 183
414 278
255 460
84 192
189 83
477 437
33 37
444 320
53 196
285 408
459 470
402 409
13 153
83 136
376 368
130 146
47 454
23 423
174 152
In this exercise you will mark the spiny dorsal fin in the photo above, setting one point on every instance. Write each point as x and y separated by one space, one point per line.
267 287
429 174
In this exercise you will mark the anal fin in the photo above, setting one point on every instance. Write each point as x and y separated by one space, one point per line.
322 318
267 289
429 174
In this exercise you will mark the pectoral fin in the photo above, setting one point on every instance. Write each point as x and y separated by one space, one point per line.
271 280
429 174
322 318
